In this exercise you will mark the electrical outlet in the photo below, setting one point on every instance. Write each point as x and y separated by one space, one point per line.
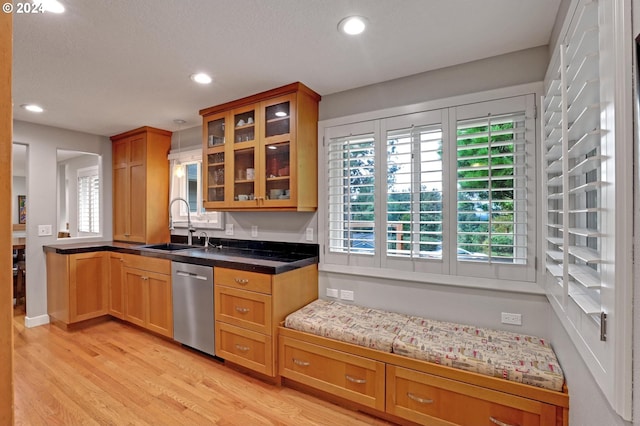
309 234
332 292
228 229
44 230
346 295
254 231
515 319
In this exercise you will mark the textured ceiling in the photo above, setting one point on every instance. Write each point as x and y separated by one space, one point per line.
105 67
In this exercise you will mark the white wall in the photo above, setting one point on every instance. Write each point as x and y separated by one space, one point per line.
43 141
512 69
635 9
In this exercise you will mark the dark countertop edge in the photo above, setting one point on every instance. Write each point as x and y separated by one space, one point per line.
130 248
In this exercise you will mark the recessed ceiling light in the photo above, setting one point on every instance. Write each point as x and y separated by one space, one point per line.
201 78
352 25
32 107
53 6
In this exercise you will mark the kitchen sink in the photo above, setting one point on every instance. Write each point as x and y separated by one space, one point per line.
168 247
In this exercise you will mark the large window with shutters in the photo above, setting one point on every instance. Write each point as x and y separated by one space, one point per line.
88 201
586 172
447 192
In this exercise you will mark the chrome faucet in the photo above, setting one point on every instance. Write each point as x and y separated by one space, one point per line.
206 238
190 227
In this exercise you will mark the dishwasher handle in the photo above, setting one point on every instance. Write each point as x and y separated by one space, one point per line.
191 275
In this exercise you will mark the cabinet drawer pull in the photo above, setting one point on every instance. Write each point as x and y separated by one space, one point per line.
498 422
243 348
242 281
242 310
418 399
354 380
301 363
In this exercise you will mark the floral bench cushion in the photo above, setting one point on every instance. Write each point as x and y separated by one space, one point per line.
511 356
367 327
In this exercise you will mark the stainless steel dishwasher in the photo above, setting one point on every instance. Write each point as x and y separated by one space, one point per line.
193 323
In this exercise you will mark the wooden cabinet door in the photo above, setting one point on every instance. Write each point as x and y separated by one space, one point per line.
135 297
159 304
116 294
129 189
88 286
137 203
120 203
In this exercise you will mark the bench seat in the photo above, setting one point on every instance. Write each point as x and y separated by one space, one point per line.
502 354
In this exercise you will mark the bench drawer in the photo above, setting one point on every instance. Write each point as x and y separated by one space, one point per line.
428 399
349 376
243 347
245 309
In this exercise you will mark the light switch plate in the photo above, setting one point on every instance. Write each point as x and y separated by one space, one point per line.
44 230
509 318
346 295
332 292
309 234
254 231
228 229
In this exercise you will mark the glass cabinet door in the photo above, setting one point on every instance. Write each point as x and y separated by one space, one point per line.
215 176
277 167
244 125
277 119
215 132
244 188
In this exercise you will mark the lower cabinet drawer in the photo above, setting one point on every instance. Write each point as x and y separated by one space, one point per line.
245 309
244 347
428 399
349 376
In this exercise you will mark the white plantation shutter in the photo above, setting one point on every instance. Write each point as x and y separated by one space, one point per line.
351 187
491 188
414 187
587 177
573 160
88 200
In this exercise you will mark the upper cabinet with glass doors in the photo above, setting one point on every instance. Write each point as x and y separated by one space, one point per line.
260 152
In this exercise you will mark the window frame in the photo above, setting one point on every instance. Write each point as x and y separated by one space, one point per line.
89 172
203 219
329 263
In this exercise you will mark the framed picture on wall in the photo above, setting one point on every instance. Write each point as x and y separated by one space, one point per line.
22 209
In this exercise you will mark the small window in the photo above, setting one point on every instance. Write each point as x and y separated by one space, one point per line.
88 201
187 184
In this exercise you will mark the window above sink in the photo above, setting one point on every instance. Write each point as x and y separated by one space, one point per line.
188 185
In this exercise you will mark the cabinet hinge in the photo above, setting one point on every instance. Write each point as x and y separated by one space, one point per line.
535 112
323 141
603 327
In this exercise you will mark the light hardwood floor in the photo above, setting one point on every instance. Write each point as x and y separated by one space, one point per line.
115 374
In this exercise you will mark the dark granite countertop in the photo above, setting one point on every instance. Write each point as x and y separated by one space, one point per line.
256 256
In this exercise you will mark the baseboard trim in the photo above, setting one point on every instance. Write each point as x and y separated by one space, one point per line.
31 322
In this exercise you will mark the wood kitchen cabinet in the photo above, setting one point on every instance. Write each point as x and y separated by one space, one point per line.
77 286
141 185
147 293
260 152
249 306
116 294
